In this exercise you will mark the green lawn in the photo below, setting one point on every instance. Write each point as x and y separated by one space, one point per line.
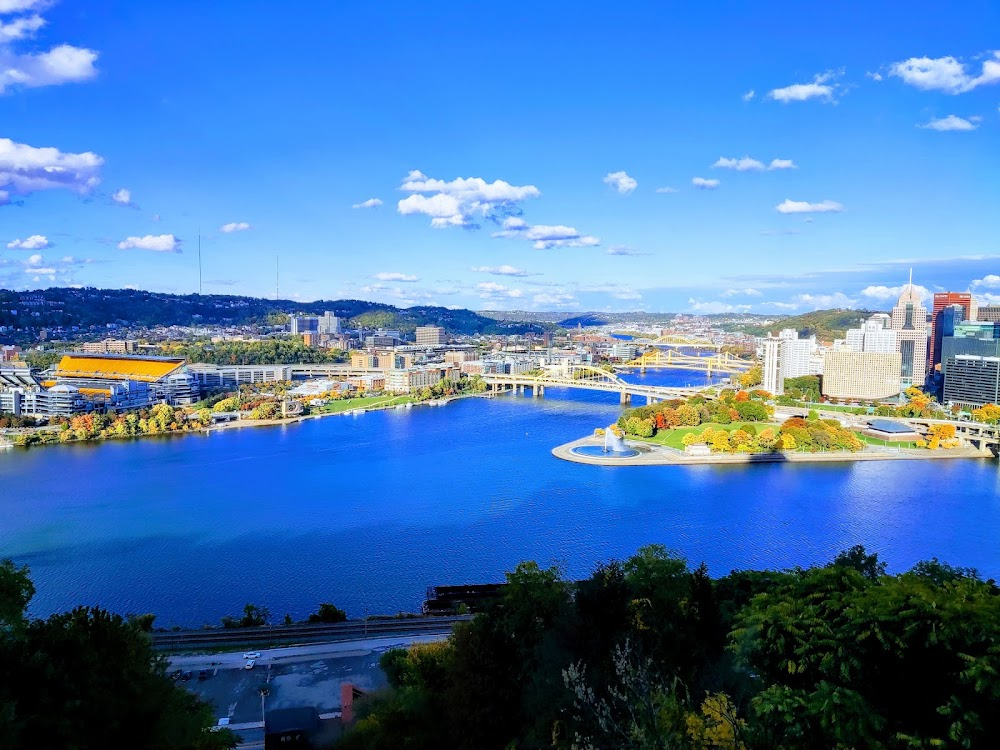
364 402
876 441
833 407
672 438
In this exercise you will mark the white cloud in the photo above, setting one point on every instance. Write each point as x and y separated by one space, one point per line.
749 292
503 270
26 169
456 203
122 197
554 299
34 242
370 203
627 294
740 165
989 280
62 64
749 95
703 184
621 182
781 305
624 250
19 6
494 291
782 164
545 237
825 301
789 206
162 243
714 307
234 226
891 293
874 76
394 276
20 28
666 189
800 92
952 122
945 73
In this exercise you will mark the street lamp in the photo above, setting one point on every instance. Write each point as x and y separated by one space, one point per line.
264 692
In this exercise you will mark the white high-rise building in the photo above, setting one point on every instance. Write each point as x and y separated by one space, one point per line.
329 324
795 353
909 322
771 376
874 335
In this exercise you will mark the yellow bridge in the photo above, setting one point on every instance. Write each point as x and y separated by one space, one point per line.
675 360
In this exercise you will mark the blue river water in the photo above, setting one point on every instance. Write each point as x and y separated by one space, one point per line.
367 511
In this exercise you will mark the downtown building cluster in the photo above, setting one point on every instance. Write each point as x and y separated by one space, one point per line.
952 350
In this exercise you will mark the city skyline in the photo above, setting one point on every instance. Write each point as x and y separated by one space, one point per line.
773 161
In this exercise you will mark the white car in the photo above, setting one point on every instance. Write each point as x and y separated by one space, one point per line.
252 655
250 664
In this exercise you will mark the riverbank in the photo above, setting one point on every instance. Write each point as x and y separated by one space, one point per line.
651 454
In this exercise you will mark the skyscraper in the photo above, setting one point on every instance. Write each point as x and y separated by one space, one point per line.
944 300
909 321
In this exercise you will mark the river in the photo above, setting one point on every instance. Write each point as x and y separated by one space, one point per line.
367 511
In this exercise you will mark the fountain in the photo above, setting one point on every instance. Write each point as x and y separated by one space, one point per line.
614 446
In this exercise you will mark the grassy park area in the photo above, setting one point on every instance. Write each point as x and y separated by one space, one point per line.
672 437
362 402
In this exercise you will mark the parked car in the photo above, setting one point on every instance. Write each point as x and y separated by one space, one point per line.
176 675
186 676
251 655
250 664
203 674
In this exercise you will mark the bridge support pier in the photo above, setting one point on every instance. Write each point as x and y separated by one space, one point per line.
626 398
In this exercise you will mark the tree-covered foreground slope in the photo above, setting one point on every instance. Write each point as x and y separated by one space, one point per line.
649 655
89 680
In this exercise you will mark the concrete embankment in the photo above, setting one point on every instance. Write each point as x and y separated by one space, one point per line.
651 454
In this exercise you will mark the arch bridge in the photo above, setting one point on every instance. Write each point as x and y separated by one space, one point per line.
722 362
586 377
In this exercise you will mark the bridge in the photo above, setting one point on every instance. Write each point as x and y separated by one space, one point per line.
585 377
674 360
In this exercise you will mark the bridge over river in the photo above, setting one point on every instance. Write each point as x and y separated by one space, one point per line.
589 378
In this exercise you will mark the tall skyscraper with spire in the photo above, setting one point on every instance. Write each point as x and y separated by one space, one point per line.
909 321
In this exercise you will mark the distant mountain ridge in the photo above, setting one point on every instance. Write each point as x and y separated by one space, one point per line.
826 325
85 307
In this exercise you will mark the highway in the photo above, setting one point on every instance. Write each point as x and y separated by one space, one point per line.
221 638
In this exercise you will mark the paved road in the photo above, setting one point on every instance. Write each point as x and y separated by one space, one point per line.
293 654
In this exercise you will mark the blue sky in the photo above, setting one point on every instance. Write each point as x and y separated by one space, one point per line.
740 156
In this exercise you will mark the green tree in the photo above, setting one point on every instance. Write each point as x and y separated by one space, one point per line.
329 614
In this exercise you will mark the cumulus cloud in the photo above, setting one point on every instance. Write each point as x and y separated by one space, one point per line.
61 64
747 164
627 294
370 203
122 197
952 122
545 237
160 243
713 307
503 270
891 293
494 291
749 292
740 165
704 184
749 95
666 189
781 305
989 280
394 276
820 88
25 169
554 299
34 242
621 182
789 206
825 301
458 202
234 226
945 73
19 6
624 250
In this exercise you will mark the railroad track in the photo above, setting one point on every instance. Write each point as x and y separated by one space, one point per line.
194 639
